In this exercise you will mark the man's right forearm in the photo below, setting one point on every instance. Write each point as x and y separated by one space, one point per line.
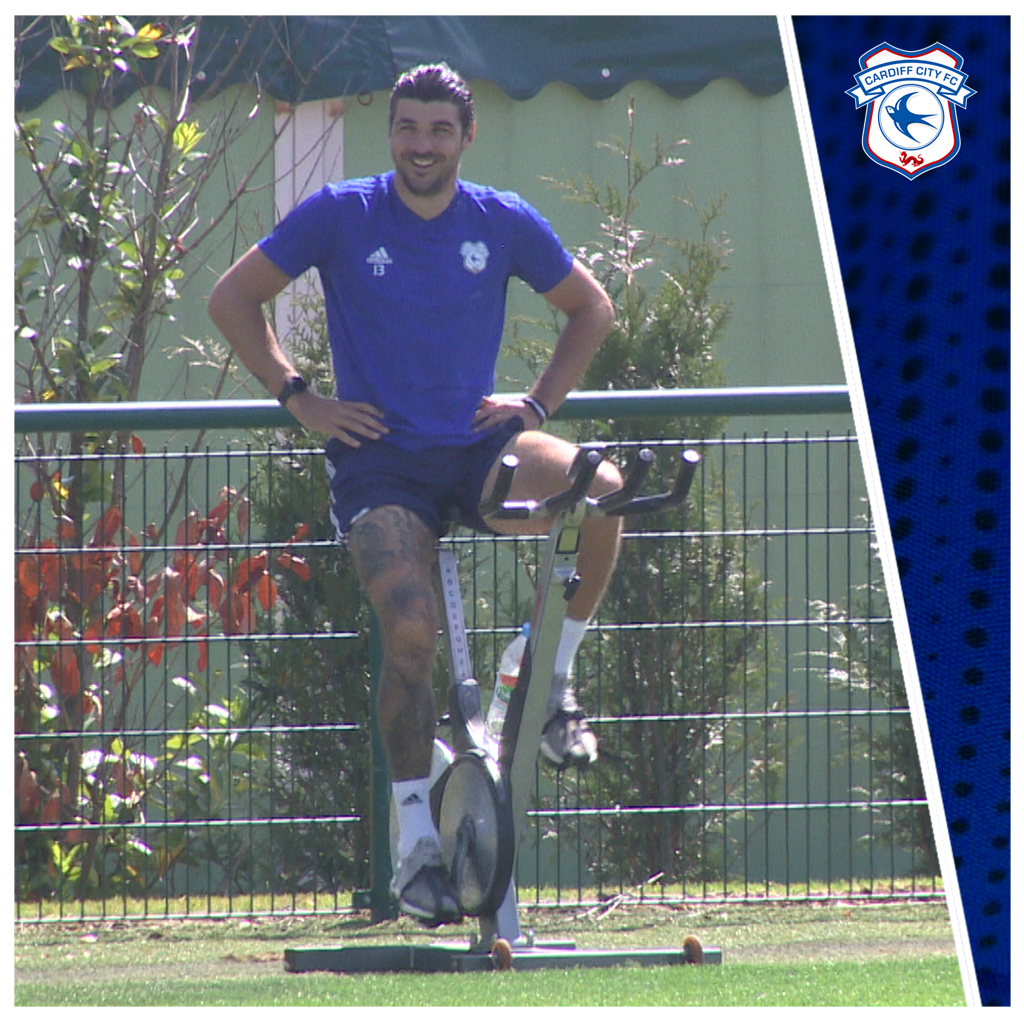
254 342
236 307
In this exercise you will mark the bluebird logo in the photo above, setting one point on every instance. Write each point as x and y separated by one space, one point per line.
911 96
899 122
474 256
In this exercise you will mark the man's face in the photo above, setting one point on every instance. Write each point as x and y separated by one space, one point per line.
426 144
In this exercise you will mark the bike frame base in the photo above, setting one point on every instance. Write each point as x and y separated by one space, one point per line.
462 956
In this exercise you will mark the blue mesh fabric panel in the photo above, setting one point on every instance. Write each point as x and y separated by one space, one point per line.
926 268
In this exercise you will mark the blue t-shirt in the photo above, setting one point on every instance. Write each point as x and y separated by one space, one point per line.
416 308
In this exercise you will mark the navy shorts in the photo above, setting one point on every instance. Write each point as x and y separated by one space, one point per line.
442 485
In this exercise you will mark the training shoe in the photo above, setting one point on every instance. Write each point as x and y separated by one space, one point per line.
568 739
423 887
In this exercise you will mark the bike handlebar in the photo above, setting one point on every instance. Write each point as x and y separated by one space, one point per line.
622 502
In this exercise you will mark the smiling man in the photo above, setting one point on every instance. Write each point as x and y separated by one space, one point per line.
415 265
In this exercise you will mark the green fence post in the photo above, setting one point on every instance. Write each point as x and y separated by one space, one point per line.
383 906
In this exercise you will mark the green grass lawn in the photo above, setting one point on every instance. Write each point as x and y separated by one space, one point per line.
889 954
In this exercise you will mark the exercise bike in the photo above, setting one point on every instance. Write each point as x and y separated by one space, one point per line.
479 786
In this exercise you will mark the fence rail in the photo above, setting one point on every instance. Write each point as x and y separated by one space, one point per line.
822 399
194 675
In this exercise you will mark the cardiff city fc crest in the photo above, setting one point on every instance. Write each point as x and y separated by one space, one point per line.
474 256
911 97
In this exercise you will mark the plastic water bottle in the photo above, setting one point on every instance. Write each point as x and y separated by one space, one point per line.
504 684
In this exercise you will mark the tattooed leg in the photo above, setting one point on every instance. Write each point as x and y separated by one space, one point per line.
395 556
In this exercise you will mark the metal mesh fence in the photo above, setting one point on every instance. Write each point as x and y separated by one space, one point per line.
193 684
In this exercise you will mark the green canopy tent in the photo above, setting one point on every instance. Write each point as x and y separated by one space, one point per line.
316 57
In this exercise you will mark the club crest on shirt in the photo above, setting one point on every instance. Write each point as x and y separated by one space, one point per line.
474 256
911 97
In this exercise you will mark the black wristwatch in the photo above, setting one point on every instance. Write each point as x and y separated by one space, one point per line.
293 386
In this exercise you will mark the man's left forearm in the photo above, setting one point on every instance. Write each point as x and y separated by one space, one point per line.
580 339
589 317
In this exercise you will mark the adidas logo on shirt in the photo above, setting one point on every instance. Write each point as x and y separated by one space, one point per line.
379 260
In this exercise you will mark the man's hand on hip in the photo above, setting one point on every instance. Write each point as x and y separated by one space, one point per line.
350 422
494 411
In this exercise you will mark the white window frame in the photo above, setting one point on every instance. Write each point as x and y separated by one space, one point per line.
308 154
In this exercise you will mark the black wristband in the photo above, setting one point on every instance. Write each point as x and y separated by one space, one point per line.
293 386
538 407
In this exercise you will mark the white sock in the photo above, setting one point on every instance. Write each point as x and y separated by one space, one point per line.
412 803
573 631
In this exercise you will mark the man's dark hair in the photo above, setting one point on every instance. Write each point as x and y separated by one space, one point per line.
431 83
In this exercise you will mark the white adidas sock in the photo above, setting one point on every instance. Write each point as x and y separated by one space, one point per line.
412 804
561 694
573 631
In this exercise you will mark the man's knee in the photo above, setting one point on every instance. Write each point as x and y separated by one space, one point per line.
545 461
390 544
608 478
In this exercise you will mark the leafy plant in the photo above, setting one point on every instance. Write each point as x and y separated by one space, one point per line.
90 622
113 219
112 228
